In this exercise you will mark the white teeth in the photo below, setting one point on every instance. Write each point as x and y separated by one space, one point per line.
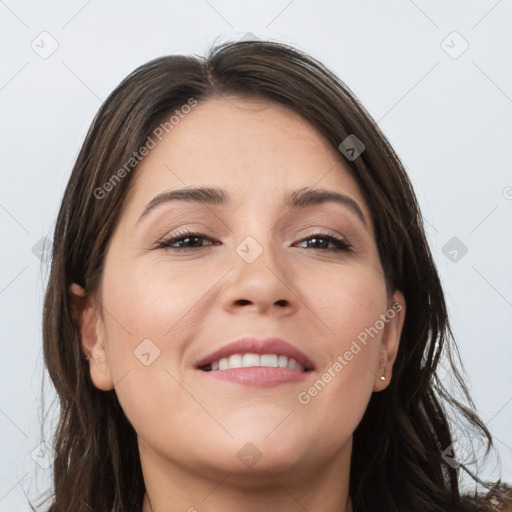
269 360
235 361
282 361
250 360
247 361
293 365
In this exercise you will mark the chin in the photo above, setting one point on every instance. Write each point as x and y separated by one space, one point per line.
250 461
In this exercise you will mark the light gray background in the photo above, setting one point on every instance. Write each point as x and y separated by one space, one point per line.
449 117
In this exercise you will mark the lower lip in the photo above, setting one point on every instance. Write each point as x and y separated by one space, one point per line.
259 375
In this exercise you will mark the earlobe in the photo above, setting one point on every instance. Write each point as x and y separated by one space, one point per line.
390 341
88 318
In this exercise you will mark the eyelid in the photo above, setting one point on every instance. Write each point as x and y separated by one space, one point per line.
203 232
307 232
182 233
323 231
341 243
330 235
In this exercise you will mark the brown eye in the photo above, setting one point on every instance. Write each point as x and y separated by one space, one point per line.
340 245
187 241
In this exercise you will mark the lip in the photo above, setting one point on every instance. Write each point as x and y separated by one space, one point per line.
253 345
260 376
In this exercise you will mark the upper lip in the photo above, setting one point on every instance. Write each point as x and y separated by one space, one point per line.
253 345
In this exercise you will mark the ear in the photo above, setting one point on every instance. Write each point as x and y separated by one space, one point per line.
395 317
87 316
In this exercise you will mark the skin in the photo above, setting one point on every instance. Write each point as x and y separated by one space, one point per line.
190 426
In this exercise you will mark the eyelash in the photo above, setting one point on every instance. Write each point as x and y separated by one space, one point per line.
341 245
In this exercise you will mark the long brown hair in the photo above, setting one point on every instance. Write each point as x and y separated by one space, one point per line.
397 463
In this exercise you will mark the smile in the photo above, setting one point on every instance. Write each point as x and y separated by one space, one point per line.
249 360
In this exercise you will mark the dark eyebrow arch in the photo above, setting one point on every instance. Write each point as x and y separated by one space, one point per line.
301 198
310 196
203 195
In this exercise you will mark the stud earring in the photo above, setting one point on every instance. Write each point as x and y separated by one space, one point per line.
383 378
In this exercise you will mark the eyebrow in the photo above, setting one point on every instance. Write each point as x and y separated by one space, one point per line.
300 198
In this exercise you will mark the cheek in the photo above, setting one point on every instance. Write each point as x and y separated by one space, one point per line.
147 300
143 309
347 308
149 318
345 301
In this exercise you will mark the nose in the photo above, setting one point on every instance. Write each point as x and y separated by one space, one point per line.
262 285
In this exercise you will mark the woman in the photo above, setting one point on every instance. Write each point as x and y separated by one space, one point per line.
243 312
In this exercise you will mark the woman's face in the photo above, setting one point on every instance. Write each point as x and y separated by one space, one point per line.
256 266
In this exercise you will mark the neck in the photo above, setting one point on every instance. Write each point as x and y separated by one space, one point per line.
174 488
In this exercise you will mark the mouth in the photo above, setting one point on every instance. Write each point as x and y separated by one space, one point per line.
249 360
259 362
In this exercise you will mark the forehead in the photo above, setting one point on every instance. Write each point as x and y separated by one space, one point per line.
255 149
